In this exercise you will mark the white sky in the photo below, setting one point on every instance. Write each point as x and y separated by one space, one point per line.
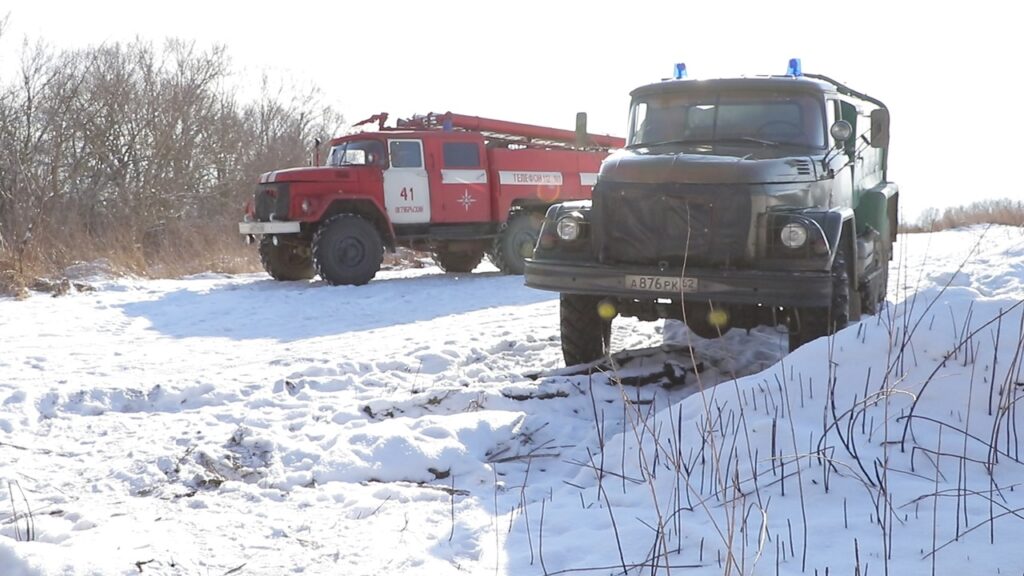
542 61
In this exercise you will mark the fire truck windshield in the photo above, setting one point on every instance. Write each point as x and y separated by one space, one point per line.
736 118
356 153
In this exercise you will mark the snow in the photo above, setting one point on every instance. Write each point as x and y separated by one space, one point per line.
424 424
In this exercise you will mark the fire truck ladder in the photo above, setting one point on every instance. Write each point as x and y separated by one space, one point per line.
502 132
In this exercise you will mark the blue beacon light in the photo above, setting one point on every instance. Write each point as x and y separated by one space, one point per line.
794 68
680 71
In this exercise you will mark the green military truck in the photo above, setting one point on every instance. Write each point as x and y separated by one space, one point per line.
736 202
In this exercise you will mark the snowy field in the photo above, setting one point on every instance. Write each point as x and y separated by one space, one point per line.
424 424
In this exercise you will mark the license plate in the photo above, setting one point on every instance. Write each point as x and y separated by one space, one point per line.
660 283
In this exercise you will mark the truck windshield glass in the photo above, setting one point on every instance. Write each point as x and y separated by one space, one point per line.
728 117
356 153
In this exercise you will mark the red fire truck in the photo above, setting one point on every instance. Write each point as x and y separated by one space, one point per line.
457 186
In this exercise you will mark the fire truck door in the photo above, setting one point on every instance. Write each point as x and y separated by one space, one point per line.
406 188
463 194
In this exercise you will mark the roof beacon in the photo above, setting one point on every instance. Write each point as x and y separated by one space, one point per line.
680 71
794 68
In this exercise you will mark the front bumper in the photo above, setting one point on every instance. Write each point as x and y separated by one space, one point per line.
253 228
766 287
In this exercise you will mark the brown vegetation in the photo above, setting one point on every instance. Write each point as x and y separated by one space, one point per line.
139 155
1005 211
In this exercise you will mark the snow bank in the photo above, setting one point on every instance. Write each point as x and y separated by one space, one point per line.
892 446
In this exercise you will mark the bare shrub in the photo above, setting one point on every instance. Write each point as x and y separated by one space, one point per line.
1005 211
12 285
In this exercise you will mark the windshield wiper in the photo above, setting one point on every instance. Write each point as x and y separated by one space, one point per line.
703 141
750 139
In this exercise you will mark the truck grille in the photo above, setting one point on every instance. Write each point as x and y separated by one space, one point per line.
272 199
705 224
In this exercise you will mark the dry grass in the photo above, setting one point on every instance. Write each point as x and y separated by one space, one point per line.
180 249
1006 212
171 251
174 250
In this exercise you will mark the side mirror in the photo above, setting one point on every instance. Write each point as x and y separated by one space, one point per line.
841 131
581 129
879 128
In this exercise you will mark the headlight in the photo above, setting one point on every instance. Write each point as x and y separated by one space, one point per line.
306 206
568 228
793 235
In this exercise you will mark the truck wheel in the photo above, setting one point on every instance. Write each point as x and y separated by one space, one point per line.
585 335
516 241
873 295
883 289
814 323
458 261
347 249
286 261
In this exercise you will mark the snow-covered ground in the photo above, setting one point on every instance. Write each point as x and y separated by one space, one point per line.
422 424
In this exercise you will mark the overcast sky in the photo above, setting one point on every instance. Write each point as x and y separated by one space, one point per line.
947 74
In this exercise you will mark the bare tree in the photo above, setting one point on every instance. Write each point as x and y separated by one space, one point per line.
124 150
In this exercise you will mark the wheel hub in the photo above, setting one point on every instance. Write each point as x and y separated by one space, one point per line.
350 252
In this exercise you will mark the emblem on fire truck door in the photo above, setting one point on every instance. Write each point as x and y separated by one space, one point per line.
466 200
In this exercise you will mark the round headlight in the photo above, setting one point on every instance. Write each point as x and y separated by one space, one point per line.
793 235
306 206
568 228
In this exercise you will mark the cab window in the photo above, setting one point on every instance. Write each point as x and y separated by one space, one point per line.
461 155
356 153
406 153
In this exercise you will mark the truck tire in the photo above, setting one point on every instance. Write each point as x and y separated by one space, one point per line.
347 249
458 261
286 261
873 294
814 323
585 335
516 241
883 289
